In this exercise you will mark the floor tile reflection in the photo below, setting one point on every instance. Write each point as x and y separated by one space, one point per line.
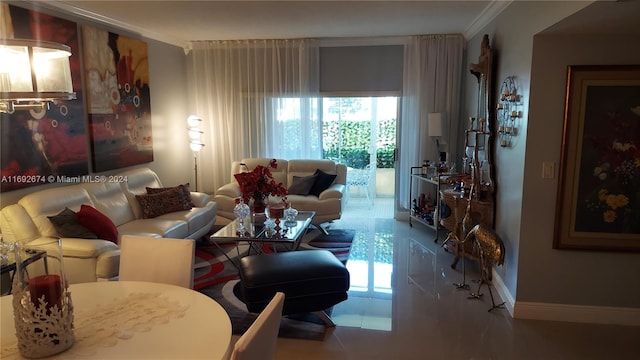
403 305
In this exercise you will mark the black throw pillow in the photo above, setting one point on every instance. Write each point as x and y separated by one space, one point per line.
301 185
66 224
322 183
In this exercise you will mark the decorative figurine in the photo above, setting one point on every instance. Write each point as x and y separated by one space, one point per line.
290 215
241 211
490 248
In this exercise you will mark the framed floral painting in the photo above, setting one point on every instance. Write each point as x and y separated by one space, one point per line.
598 203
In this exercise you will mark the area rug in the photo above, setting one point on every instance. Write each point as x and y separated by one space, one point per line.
338 242
216 277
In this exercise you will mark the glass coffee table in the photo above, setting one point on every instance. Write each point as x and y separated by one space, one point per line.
257 237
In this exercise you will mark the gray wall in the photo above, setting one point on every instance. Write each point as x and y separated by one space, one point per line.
169 111
525 203
571 277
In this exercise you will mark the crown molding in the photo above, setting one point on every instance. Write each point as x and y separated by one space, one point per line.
105 20
489 13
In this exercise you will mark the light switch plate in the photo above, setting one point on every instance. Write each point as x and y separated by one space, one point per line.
548 170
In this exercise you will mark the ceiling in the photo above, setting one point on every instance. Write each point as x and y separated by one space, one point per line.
180 21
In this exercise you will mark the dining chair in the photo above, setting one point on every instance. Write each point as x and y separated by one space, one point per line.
161 260
259 341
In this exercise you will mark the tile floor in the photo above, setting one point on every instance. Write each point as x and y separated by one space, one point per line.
403 305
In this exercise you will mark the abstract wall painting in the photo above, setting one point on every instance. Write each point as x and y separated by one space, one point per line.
116 69
38 144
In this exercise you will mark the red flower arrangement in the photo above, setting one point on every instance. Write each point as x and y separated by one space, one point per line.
259 183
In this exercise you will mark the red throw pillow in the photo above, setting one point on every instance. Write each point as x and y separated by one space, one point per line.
98 223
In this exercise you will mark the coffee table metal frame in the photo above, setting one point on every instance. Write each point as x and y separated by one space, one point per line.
255 235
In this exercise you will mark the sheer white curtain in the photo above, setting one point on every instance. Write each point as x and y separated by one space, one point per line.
431 83
257 98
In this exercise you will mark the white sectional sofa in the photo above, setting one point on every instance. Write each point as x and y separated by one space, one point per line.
327 204
87 260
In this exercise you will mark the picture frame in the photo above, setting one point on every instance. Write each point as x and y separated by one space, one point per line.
598 201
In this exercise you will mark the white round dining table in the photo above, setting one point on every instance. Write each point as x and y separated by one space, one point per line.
137 321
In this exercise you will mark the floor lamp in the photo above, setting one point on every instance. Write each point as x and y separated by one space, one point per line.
195 135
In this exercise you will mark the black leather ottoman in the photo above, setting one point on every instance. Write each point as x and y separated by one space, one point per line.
312 281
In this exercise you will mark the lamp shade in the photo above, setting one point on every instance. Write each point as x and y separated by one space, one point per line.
195 134
34 70
195 147
434 123
193 121
193 128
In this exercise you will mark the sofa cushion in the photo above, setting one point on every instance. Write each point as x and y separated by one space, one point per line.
160 226
97 222
109 198
154 205
49 202
137 181
196 218
184 188
322 183
66 223
200 199
301 185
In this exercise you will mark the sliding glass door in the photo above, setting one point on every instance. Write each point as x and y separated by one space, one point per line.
361 133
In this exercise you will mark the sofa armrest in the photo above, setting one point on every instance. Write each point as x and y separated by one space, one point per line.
80 248
231 190
200 199
335 191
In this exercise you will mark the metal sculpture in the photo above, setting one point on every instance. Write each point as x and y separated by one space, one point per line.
487 246
490 249
453 237
467 224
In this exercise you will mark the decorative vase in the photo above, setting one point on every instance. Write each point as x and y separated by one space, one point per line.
42 307
290 215
259 203
241 211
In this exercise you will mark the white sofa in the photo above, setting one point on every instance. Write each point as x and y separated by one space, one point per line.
88 260
328 205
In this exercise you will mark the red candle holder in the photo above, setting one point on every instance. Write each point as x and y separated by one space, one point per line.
46 290
42 308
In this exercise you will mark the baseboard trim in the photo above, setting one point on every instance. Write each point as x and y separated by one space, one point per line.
577 313
563 312
504 293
